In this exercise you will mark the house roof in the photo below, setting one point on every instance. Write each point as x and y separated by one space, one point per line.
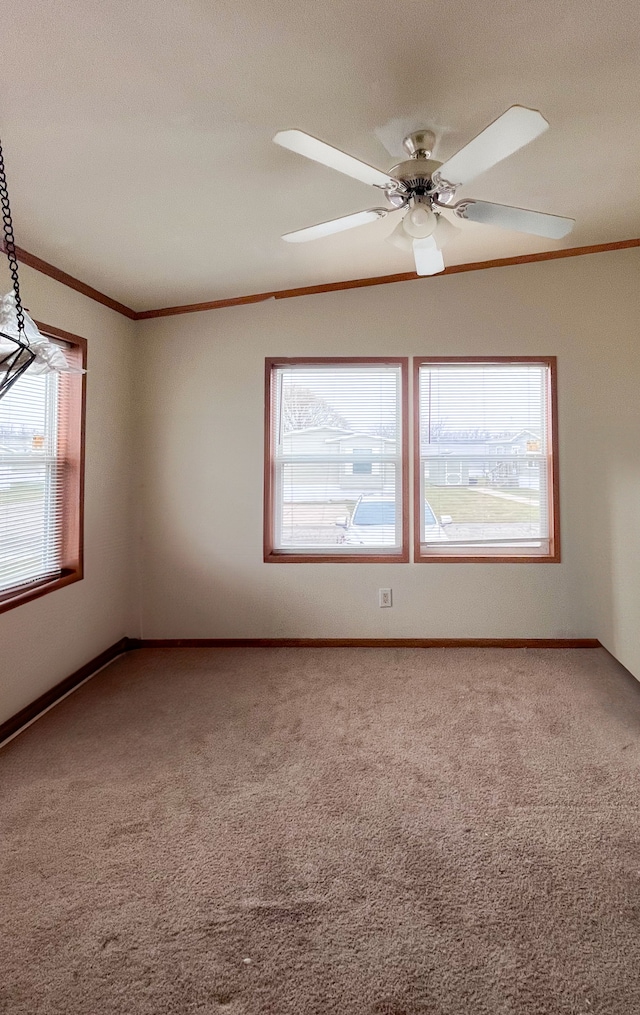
317 429
361 433
487 439
516 437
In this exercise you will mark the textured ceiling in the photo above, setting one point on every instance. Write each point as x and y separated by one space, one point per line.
138 136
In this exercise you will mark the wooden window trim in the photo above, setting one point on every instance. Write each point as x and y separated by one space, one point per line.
273 556
553 557
71 438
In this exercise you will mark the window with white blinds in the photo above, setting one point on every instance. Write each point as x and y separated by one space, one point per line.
485 471
335 476
40 429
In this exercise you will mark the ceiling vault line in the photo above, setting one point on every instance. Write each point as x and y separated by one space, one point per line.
32 261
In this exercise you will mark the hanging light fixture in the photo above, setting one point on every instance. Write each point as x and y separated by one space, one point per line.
16 354
22 346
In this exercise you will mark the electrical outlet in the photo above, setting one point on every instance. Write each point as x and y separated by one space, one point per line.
384 597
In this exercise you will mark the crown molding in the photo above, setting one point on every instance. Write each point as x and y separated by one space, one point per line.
73 283
408 276
310 290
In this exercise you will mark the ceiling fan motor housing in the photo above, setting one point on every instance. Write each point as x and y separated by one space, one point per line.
415 175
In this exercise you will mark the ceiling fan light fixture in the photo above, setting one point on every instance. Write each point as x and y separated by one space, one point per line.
445 232
400 239
420 222
428 257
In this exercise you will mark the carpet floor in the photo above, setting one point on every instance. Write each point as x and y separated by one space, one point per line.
330 831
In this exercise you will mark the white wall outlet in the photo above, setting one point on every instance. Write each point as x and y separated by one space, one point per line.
384 597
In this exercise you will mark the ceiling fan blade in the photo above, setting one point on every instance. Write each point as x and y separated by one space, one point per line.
511 131
428 257
519 219
319 151
359 218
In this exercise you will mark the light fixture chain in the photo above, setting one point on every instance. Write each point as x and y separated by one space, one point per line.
10 245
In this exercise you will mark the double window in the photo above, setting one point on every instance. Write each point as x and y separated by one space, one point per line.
41 465
484 460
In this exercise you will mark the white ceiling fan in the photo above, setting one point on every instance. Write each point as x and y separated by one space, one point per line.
422 187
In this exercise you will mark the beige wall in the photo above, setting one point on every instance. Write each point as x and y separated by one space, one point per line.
201 496
612 427
199 517
45 640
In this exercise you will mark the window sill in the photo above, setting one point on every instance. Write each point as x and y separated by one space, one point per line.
355 558
25 593
443 558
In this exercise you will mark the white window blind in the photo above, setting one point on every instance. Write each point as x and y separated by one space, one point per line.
32 480
336 458
485 458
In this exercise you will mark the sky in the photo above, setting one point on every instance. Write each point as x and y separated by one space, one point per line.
461 398
489 398
365 397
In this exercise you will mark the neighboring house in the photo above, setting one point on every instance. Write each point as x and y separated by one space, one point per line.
347 465
500 461
367 475
339 479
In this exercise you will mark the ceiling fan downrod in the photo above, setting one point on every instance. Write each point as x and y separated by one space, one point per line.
415 174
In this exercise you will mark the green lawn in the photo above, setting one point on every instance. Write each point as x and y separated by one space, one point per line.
520 491
465 504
